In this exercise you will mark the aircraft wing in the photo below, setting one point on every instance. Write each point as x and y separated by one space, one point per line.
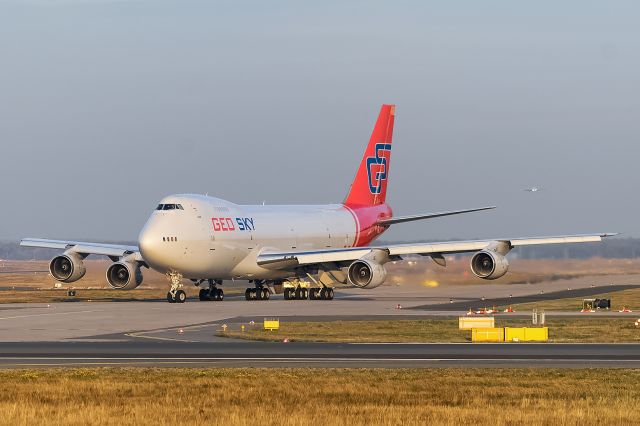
86 248
290 260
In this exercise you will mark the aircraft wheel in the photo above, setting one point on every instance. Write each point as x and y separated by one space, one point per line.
304 293
203 294
287 294
247 294
220 295
181 296
170 298
312 293
298 293
265 294
323 294
329 294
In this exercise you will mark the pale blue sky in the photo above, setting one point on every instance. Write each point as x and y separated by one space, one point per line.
107 106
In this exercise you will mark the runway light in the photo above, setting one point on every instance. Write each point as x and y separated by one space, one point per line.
180 331
286 340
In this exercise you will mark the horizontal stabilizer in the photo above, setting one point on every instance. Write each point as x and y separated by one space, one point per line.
400 219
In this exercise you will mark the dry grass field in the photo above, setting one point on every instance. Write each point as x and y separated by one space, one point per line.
319 397
441 330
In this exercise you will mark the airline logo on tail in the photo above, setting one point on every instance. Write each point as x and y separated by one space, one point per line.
377 167
369 187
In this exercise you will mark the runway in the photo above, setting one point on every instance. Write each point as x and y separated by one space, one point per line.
131 352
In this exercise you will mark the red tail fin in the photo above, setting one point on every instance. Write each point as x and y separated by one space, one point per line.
370 184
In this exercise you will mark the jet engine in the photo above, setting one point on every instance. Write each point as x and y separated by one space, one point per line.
124 275
489 265
67 268
366 274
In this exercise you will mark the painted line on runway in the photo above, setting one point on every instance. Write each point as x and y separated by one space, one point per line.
52 313
164 339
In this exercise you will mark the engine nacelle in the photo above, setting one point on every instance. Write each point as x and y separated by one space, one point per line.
489 265
67 267
124 275
366 274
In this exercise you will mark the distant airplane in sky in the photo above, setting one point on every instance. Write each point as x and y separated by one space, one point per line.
208 240
533 189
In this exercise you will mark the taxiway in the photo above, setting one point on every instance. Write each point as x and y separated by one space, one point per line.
161 334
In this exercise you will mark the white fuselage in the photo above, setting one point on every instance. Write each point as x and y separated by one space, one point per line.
210 238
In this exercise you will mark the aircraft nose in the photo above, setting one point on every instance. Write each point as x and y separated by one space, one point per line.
150 244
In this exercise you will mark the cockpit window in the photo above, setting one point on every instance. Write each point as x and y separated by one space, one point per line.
169 207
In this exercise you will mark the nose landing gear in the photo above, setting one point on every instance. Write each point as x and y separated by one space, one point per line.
176 295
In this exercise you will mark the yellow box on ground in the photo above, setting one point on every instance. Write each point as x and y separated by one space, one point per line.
271 324
467 323
488 334
526 334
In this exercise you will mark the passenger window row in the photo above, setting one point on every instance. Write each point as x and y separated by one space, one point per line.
169 207
170 239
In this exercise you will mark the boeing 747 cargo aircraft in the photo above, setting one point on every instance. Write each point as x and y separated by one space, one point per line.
209 240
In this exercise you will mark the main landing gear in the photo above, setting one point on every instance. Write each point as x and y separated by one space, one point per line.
293 290
313 293
260 292
324 293
297 293
176 294
212 293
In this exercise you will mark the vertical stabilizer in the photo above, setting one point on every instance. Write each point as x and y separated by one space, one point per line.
370 184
